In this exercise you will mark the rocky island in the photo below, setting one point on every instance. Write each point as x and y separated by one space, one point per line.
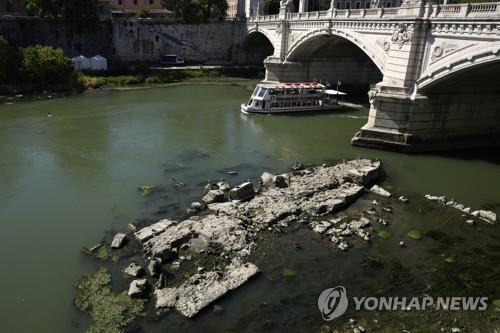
222 231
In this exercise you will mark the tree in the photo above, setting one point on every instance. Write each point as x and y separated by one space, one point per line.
142 13
213 10
197 11
71 10
79 10
185 9
45 64
270 7
49 8
9 62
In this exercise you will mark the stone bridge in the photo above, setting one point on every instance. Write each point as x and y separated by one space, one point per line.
432 70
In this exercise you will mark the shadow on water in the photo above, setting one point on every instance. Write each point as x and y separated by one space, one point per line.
491 154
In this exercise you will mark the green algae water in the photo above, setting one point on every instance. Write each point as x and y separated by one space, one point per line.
70 169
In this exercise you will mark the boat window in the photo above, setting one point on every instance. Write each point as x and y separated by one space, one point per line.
262 92
255 91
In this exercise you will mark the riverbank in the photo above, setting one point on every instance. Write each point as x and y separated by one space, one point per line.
228 237
245 77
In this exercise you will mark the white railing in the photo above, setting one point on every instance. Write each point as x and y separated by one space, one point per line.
484 8
488 9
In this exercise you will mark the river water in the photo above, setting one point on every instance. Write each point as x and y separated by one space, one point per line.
67 178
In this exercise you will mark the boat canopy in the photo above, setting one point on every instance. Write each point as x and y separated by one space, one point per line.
334 92
293 85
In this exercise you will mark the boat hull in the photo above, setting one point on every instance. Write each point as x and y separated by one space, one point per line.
325 108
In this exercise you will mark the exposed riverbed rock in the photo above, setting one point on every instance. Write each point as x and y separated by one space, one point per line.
200 290
197 206
488 216
118 241
280 181
134 270
266 179
148 232
380 191
137 288
226 231
484 215
154 267
242 192
213 196
230 227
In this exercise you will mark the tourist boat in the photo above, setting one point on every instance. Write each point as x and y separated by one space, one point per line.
271 98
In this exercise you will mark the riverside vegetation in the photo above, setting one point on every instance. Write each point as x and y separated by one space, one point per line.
37 69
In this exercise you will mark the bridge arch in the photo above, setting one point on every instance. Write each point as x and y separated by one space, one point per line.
373 52
466 60
256 46
331 55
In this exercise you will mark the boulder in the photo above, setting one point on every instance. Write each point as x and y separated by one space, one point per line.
197 206
441 199
154 267
119 240
297 166
213 196
488 216
280 181
380 191
147 233
210 187
242 192
320 226
200 290
137 288
404 199
266 179
134 270
343 246
366 174
223 186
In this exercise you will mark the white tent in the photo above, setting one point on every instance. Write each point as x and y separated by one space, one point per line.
98 63
80 63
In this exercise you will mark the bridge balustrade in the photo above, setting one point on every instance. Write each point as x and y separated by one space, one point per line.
441 11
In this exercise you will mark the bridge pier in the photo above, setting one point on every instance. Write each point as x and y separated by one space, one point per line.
441 121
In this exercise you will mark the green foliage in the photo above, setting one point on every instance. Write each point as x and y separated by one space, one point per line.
94 81
110 312
270 7
71 10
197 11
9 62
79 10
142 13
45 64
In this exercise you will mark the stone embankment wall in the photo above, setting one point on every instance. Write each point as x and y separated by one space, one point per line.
146 40
131 40
88 40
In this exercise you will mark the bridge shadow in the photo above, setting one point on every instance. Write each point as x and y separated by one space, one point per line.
487 154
